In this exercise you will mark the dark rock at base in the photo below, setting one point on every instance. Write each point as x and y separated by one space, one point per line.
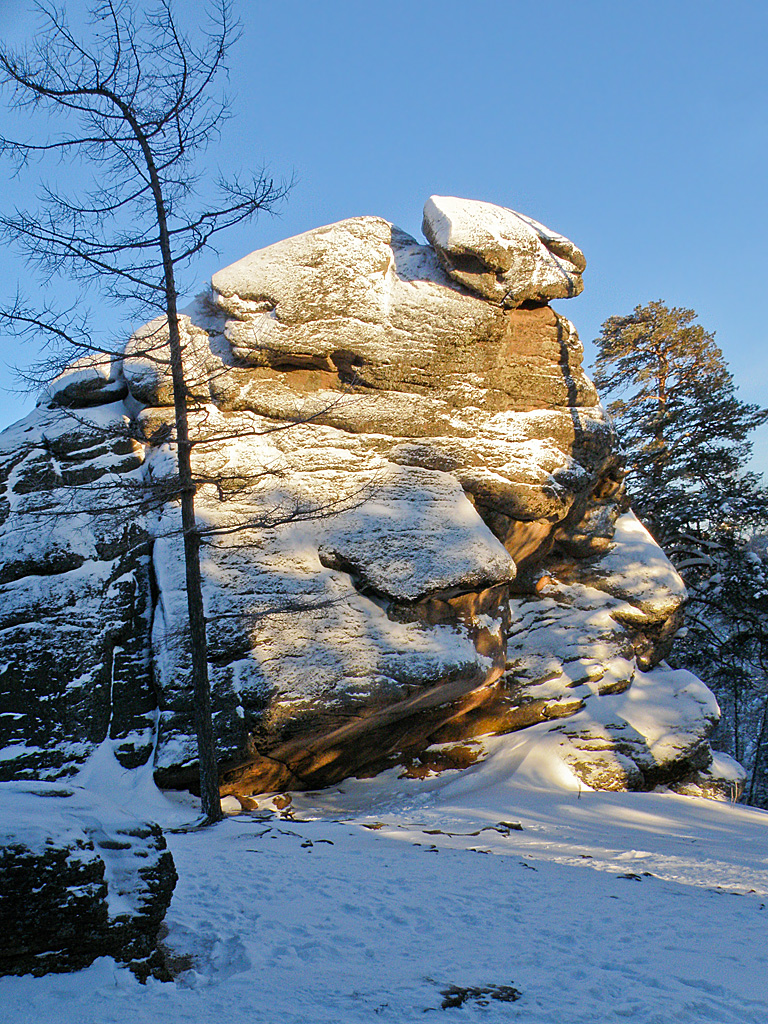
79 879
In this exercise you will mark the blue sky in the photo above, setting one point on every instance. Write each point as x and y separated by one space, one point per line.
637 129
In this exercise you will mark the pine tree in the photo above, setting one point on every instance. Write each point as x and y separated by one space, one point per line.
686 438
684 431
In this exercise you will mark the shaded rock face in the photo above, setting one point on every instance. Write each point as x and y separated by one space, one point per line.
78 879
389 450
75 604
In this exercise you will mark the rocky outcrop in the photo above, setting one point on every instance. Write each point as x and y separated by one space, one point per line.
399 456
78 879
584 665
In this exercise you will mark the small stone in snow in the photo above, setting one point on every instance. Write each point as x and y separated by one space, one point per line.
231 805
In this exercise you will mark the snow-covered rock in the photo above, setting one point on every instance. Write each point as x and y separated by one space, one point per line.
413 525
75 593
635 570
79 878
500 254
92 380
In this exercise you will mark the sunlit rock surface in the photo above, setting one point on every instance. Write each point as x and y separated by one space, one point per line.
414 527
504 256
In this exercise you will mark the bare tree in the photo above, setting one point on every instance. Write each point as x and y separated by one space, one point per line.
137 105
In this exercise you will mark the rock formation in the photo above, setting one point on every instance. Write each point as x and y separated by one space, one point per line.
78 879
502 255
409 493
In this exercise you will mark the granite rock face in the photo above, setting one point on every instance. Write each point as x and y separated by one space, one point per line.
78 879
396 463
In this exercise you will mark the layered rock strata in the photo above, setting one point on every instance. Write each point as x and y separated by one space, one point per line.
389 447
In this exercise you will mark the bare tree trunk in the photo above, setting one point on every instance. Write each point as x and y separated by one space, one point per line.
206 744
761 736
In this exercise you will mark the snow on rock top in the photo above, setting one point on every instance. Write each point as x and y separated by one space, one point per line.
500 254
416 535
637 570
79 877
92 380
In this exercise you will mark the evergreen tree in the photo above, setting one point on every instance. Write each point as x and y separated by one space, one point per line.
686 438
726 644
684 431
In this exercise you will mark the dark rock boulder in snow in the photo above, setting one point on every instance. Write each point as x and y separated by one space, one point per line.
78 879
409 493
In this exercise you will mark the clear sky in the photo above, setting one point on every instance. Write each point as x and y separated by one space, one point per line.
637 129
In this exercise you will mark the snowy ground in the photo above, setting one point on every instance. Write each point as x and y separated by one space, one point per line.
383 899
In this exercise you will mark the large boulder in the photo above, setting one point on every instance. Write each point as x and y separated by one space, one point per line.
393 460
78 879
502 255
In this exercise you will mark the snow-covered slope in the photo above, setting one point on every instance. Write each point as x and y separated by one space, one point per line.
388 899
